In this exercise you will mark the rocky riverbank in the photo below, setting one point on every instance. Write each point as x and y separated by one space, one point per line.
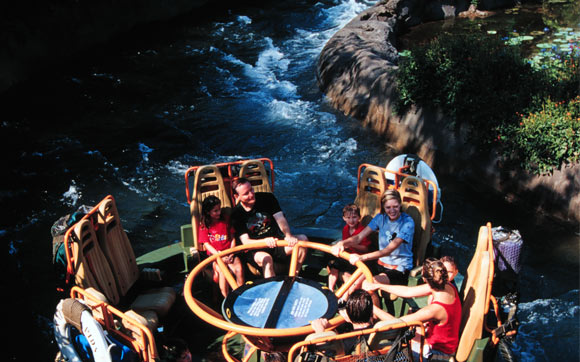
355 71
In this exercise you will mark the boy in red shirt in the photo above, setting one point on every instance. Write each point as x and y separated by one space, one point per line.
339 268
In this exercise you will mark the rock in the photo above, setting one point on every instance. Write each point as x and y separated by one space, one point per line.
356 59
356 72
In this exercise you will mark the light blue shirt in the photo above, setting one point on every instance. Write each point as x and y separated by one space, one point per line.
404 228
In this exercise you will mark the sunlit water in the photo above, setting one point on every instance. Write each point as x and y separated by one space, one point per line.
134 116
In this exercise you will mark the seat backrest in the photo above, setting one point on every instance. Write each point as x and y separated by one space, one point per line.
91 268
372 185
380 340
116 246
415 203
333 347
475 297
208 180
255 172
473 267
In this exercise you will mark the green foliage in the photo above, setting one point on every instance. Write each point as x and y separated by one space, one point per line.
547 138
486 85
471 79
560 74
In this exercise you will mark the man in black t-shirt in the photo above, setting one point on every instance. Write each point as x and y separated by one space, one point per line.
258 217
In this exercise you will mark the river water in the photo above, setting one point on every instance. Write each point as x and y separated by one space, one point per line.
130 117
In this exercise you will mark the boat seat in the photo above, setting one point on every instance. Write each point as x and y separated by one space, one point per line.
371 187
475 300
119 253
414 196
208 181
255 172
116 246
91 268
473 267
159 300
147 318
333 347
380 340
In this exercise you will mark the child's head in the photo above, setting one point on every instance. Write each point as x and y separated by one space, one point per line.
359 306
351 215
210 210
450 265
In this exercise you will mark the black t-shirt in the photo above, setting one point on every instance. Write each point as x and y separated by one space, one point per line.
259 222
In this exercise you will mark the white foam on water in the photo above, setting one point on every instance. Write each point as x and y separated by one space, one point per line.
228 57
296 111
72 195
177 168
337 152
242 19
338 16
269 79
543 320
269 67
309 42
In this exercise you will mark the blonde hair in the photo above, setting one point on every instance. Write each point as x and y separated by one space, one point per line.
390 194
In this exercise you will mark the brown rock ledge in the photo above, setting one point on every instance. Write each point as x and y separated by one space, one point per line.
355 72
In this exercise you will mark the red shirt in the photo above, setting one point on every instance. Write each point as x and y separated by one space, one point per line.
444 337
217 235
346 234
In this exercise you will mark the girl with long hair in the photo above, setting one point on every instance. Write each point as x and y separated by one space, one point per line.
217 235
442 315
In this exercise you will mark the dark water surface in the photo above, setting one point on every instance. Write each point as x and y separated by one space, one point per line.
129 119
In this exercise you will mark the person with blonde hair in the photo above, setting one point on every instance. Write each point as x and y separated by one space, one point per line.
442 315
396 230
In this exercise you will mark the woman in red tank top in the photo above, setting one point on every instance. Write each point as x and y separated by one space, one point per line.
442 315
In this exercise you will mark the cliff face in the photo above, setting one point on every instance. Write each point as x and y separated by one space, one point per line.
355 71
36 33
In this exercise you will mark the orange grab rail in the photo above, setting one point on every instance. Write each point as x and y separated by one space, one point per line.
247 354
144 345
341 336
213 318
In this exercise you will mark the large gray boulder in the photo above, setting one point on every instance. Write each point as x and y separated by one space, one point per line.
356 71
